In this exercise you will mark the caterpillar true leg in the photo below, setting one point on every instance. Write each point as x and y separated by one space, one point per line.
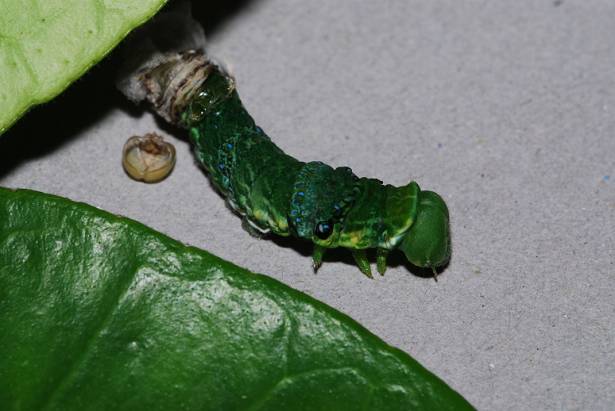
381 260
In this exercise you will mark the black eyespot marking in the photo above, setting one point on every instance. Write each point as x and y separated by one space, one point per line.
324 229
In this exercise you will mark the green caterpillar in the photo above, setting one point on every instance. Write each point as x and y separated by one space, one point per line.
277 193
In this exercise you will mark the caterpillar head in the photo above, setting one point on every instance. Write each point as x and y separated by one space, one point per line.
427 242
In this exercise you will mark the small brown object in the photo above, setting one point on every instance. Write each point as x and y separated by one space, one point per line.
149 158
174 80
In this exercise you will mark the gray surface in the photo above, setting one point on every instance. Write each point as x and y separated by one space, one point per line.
505 108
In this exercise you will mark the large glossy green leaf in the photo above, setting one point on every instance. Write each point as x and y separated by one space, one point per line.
47 44
101 312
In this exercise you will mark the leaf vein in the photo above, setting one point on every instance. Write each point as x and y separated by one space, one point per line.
72 370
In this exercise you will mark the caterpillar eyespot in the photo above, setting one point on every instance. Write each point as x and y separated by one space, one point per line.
277 193
324 229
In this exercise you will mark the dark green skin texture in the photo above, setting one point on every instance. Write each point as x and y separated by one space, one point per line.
268 185
235 152
101 313
275 192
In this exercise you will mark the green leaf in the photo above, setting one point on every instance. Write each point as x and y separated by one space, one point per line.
47 44
101 312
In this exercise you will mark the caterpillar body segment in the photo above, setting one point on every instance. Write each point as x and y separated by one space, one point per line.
309 200
274 192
